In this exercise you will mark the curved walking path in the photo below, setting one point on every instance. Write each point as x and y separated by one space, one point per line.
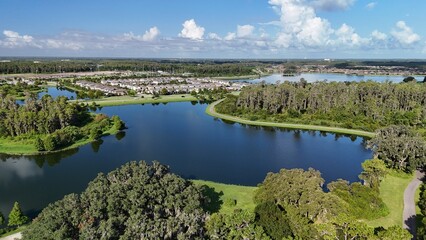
12 237
210 110
409 214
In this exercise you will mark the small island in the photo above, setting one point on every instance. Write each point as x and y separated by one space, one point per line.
45 125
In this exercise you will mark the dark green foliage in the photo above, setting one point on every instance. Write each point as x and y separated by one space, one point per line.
394 232
16 217
237 225
50 143
42 116
95 132
363 105
299 195
399 147
136 201
198 68
39 145
118 124
409 79
228 105
362 201
374 171
273 219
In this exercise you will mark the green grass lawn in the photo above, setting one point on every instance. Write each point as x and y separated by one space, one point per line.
211 111
226 192
128 100
392 192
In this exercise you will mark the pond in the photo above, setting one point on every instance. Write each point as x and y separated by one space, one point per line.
312 77
192 143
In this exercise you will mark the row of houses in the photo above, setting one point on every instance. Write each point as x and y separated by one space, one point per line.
106 89
173 85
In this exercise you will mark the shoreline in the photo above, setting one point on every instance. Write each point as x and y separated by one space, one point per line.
212 112
75 145
127 100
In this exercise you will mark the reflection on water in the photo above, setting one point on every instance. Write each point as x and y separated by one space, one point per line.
192 143
19 167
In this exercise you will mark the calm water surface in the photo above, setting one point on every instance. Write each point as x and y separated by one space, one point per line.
312 77
194 144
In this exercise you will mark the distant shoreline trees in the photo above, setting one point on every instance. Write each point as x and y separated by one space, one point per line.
362 105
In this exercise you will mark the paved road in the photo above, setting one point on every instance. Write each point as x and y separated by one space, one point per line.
12 237
409 214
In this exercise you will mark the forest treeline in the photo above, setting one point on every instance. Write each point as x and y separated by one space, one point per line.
362 105
51 123
141 201
199 68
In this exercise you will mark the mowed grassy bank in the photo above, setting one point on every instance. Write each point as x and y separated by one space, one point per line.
210 110
26 146
392 192
243 196
128 100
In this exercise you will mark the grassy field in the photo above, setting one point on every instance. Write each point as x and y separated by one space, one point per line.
128 100
392 192
211 111
243 196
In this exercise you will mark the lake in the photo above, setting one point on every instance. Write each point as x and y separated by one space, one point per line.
192 143
312 77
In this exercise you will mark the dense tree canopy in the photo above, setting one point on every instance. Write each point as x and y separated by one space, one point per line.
363 105
399 147
51 124
137 201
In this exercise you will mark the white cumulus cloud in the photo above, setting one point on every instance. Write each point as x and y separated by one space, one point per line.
230 36
333 5
346 35
151 34
191 30
213 36
14 39
300 25
404 34
244 31
376 35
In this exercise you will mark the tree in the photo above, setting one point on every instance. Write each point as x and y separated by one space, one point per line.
237 225
273 220
16 217
399 147
136 201
373 173
95 133
164 91
394 232
50 143
409 79
118 124
39 145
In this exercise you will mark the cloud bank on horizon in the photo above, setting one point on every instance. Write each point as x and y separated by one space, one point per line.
300 28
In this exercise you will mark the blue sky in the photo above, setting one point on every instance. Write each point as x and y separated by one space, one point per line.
213 28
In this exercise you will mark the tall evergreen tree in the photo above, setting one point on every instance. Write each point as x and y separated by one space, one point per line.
16 217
